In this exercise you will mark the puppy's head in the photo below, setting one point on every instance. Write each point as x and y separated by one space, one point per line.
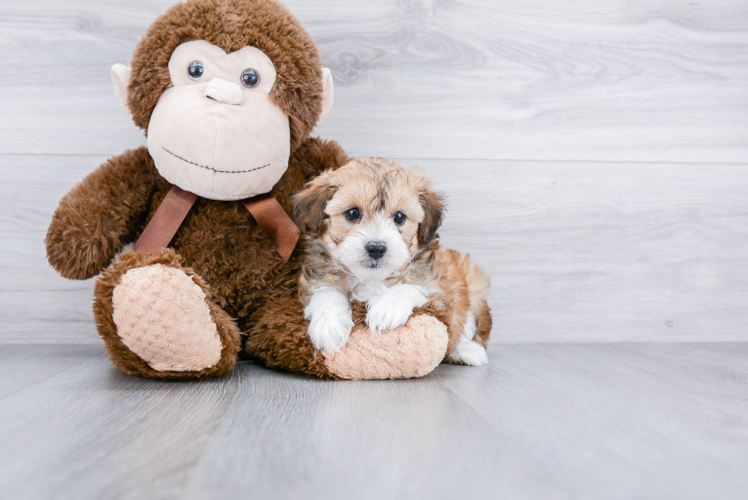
371 214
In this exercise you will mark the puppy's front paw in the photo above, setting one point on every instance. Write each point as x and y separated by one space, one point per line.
393 308
330 321
329 331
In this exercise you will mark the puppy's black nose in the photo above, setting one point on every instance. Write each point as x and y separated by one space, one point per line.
376 250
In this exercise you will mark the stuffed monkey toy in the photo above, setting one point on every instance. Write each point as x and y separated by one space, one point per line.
228 92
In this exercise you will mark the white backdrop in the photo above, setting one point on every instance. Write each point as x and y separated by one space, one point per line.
594 152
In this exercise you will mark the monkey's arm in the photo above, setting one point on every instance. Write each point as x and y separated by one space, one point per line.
317 155
101 215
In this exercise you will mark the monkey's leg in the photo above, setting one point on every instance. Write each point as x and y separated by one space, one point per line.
279 339
158 319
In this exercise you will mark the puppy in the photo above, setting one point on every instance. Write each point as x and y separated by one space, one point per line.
370 235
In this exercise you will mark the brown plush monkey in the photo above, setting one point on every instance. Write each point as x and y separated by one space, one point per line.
228 92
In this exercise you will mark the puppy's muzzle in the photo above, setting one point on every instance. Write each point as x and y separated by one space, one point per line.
376 250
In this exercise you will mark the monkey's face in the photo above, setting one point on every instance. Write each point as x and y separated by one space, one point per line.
216 131
224 111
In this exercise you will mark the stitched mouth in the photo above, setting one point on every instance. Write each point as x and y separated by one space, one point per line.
214 169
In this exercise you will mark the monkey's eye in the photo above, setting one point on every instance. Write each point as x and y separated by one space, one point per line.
250 78
196 70
399 218
353 214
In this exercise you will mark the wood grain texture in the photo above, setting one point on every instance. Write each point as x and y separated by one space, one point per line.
664 421
22 365
603 250
643 80
577 252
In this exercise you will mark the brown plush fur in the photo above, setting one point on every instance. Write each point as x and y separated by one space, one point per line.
101 215
219 240
379 186
292 350
252 292
232 25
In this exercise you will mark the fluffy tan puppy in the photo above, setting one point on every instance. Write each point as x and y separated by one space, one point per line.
370 235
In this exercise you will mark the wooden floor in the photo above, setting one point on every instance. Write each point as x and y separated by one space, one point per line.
584 421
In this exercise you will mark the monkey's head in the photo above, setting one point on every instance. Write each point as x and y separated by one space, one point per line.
225 90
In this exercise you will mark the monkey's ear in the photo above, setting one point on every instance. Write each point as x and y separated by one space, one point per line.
121 77
433 208
309 203
327 94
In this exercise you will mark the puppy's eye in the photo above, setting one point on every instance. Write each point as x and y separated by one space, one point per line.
399 218
250 78
196 70
353 214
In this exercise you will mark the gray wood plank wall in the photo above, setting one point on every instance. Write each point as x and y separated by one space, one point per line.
594 153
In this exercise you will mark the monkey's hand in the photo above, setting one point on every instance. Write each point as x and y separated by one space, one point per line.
393 307
100 215
330 322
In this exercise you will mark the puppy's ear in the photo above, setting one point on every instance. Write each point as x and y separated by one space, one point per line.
309 203
433 208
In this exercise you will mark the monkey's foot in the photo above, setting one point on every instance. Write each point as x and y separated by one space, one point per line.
164 323
409 351
280 340
162 316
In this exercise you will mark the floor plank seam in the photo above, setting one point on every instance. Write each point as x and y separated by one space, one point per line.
49 376
447 159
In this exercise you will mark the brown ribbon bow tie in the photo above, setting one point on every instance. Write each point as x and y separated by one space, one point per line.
270 216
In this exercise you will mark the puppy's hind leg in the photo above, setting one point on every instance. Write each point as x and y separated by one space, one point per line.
479 323
467 351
